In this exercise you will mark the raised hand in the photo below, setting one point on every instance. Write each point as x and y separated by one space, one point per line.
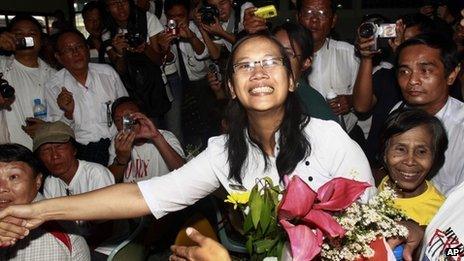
207 249
251 23
65 101
8 41
123 145
32 124
341 105
145 128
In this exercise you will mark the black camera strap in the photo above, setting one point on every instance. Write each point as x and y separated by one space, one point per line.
182 69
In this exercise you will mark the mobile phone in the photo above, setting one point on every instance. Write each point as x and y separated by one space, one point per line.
266 12
24 42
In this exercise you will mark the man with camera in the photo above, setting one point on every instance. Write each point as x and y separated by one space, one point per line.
182 45
81 94
24 75
140 150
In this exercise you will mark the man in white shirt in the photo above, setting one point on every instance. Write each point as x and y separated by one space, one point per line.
27 74
54 146
20 180
334 67
427 67
141 151
188 52
81 94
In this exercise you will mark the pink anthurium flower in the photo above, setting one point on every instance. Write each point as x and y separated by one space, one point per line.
304 243
302 210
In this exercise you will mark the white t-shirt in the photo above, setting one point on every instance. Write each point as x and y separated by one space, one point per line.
333 154
29 85
42 245
146 161
335 68
92 102
452 172
195 64
89 176
445 233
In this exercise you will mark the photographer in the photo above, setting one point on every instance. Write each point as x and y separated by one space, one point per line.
134 53
140 150
26 73
375 91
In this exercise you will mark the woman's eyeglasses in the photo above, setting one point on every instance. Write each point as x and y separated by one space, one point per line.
266 64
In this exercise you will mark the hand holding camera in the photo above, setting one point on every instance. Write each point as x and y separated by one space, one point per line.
123 143
7 93
143 127
119 44
10 42
252 23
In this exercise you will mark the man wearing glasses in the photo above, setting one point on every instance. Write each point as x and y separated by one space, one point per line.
334 67
81 95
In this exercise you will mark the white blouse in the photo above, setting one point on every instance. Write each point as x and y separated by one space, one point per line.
333 154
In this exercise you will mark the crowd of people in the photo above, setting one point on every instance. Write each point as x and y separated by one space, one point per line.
166 102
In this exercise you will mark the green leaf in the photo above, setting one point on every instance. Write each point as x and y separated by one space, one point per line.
247 223
249 245
256 203
266 212
263 246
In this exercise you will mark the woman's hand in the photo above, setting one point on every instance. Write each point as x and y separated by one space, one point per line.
207 249
214 28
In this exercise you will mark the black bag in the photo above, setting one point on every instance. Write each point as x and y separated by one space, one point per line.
144 83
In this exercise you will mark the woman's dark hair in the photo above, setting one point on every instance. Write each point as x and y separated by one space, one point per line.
447 47
132 22
298 36
120 101
294 146
168 5
90 6
10 152
24 17
403 120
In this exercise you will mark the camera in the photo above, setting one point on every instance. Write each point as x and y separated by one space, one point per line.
209 13
266 12
128 123
214 69
172 27
134 39
369 29
24 43
6 90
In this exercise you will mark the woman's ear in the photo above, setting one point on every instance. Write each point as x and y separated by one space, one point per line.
231 90
291 86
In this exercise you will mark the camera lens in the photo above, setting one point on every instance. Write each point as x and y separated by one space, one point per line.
367 30
6 90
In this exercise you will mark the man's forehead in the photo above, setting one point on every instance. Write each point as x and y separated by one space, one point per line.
70 38
317 3
419 54
6 167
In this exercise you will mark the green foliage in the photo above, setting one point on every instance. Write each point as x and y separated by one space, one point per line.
265 237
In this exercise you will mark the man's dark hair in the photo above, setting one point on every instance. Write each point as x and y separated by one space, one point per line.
448 51
298 36
10 152
90 6
122 100
403 120
333 5
60 35
425 23
24 17
168 5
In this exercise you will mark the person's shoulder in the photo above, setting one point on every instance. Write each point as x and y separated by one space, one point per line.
102 68
6 61
56 78
92 168
167 134
325 132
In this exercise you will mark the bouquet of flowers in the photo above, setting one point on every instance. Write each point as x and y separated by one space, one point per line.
328 223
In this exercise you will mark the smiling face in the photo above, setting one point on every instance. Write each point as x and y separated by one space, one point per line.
18 183
261 88
422 78
409 158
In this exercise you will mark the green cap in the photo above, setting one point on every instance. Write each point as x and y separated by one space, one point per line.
52 132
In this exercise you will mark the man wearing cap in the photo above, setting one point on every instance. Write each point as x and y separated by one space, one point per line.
54 145
20 180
